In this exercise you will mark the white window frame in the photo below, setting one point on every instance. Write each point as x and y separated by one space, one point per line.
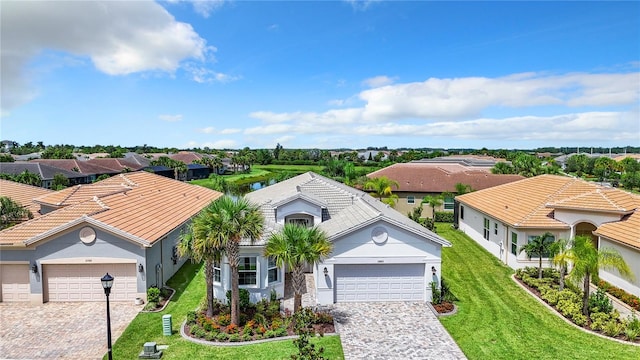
448 205
487 229
411 199
514 244
217 271
271 265
257 271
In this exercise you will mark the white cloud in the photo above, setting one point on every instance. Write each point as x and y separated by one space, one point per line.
202 74
284 139
378 81
120 37
230 131
170 118
361 5
207 130
336 102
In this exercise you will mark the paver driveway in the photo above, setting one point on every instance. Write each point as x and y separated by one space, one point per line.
61 330
394 330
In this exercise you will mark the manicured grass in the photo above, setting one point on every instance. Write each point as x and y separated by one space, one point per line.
498 320
190 290
293 168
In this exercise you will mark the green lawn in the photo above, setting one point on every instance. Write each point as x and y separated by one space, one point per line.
190 290
498 320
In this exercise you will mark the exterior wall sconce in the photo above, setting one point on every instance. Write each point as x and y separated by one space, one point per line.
174 258
433 270
34 268
325 271
140 268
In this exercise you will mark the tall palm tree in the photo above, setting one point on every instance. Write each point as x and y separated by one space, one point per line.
230 220
29 178
382 188
539 246
561 258
295 246
588 260
198 244
502 168
433 202
462 189
12 213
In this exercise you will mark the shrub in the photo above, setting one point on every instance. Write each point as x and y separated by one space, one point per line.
273 295
631 334
247 337
191 317
151 305
323 318
579 319
231 329
270 334
633 322
598 319
444 216
153 294
234 338
436 294
624 296
245 298
551 296
211 336
281 332
600 302
193 328
613 328
222 336
224 320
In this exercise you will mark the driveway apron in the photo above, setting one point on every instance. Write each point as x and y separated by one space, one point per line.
393 330
61 330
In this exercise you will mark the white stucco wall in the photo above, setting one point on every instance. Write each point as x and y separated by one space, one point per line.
632 258
400 246
573 217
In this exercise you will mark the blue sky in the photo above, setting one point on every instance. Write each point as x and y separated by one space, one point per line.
331 74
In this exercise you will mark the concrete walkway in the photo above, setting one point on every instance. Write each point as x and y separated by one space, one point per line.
61 330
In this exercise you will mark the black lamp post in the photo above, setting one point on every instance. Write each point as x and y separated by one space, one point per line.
107 282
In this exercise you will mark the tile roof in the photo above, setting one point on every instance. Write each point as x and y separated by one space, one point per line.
532 201
626 231
23 194
116 164
438 178
347 209
187 157
83 167
46 172
141 206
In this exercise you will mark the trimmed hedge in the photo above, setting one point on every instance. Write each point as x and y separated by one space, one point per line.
444 216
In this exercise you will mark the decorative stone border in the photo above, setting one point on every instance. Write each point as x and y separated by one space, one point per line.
436 313
557 313
165 303
241 343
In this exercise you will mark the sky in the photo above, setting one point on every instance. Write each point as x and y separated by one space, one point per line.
325 74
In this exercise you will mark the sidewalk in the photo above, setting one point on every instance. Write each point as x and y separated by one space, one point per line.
624 309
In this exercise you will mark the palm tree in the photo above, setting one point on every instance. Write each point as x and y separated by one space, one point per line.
381 187
433 202
231 220
198 244
561 258
502 168
462 189
12 213
539 246
29 178
587 261
295 247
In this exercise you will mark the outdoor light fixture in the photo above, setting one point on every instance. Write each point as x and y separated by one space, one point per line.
107 283
34 268
433 270
140 268
325 271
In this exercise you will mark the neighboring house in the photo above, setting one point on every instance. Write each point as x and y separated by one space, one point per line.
120 164
46 172
197 171
161 170
91 170
378 255
434 177
128 225
23 194
504 218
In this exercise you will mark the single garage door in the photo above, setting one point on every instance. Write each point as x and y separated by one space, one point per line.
14 283
81 282
379 282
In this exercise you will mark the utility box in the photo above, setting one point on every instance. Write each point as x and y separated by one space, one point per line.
166 324
150 351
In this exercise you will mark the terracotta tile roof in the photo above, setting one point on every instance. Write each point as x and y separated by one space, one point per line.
531 202
83 167
117 165
186 157
626 231
438 178
23 194
46 172
140 205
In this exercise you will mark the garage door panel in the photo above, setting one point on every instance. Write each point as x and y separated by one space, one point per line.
14 283
81 282
379 282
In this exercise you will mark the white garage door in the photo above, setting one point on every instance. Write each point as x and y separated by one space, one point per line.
81 282
377 282
14 283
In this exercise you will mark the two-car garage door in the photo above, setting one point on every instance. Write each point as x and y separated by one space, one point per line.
379 282
81 282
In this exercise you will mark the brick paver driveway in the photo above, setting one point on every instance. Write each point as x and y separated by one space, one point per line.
61 330
394 330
